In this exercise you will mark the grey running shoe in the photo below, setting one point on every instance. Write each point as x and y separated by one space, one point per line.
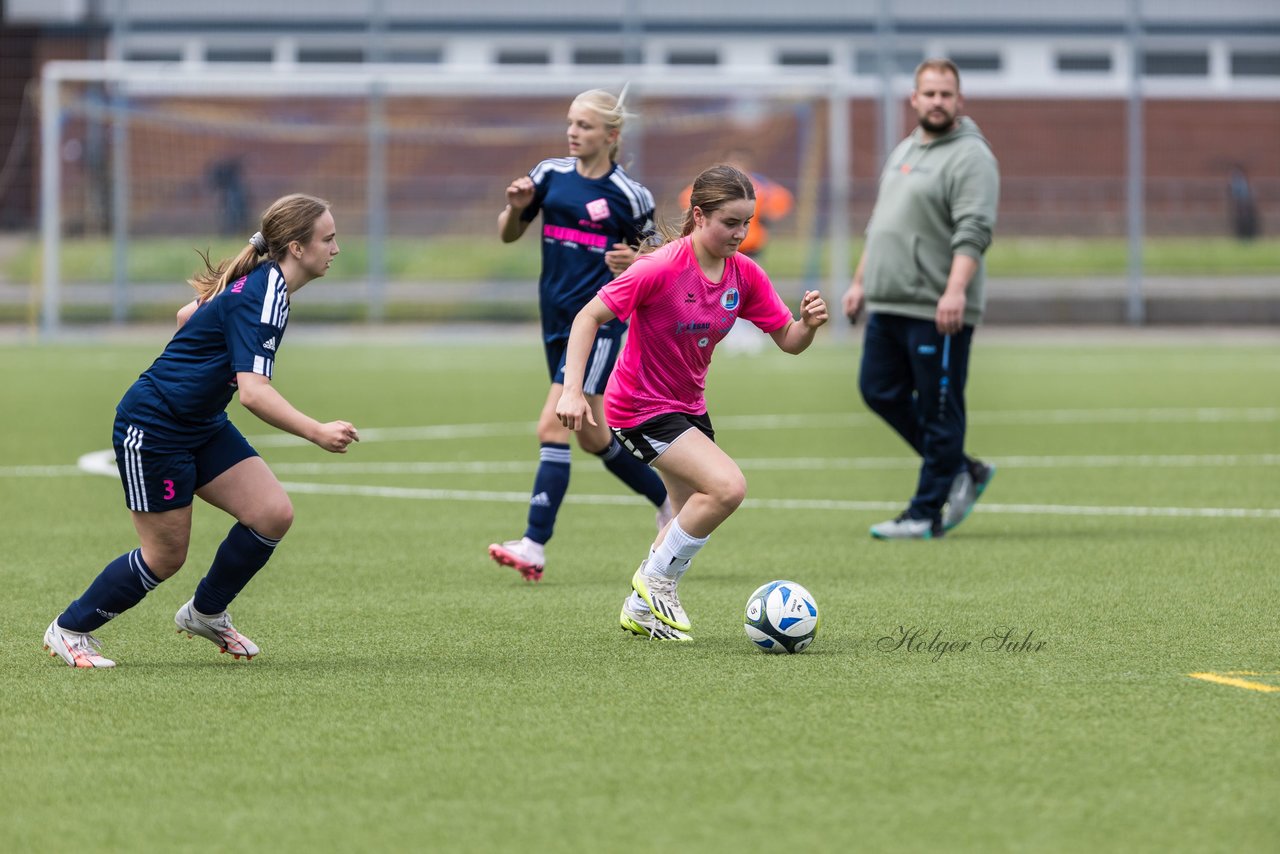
906 528
78 649
659 593
217 628
644 624
966 489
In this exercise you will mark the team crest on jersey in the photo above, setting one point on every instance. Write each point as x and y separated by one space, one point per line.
598 210
729 299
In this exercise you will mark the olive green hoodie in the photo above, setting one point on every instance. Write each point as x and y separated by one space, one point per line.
936 199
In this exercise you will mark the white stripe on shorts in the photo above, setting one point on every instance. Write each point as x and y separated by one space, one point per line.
604 346
137 487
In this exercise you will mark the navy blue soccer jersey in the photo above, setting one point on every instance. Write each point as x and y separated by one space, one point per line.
238 330
582 218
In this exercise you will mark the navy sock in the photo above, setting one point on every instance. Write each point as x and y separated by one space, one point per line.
634 473
120 586
240 556
549 487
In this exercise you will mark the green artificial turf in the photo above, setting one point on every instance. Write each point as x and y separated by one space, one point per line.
413 696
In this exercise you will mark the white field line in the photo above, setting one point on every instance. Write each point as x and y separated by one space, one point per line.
810 464
41 471
784 504
102 462
1192 415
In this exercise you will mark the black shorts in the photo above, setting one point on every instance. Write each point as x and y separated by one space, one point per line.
649 439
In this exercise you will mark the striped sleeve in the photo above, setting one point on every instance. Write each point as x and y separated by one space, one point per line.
255 325
640 201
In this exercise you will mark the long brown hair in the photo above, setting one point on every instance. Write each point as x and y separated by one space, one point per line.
712 189
289 218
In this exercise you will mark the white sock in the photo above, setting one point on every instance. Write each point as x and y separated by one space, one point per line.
672 557
635 603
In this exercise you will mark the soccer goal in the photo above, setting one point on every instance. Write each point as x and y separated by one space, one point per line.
142 162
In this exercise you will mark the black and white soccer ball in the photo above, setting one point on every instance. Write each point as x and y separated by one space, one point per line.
782 617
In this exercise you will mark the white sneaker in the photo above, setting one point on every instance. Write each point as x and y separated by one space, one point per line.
659 593
664 515
78 649
906 528
217 628
644 624
523 555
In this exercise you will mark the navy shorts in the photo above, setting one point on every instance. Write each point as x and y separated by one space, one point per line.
649 439
160 475
604 353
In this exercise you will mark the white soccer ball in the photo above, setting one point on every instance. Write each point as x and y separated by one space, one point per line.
782 617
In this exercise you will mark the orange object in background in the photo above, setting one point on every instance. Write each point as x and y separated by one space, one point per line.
773 202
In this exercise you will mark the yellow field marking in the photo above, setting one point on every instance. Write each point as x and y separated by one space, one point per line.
1236 682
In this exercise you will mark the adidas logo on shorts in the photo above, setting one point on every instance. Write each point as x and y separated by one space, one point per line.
270 344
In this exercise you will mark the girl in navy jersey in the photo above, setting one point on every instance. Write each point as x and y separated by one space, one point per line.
593 217
682 300
173 440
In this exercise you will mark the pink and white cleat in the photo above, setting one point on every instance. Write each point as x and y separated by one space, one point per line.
216 628
523 555
78 649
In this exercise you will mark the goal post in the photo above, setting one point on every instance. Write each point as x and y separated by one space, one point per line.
403 152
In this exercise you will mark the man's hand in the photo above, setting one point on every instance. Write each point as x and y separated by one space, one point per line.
852 301
950 315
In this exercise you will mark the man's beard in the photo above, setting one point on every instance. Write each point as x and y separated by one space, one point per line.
936 127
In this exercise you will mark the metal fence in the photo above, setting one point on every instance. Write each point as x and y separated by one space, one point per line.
1113 126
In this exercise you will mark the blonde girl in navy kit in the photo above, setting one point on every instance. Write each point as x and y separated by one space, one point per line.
594 216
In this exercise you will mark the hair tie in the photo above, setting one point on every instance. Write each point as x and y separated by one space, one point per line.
259 242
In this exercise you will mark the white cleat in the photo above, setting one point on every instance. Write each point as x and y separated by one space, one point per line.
644 624
78 649
523 555
906 528
659 593
217 628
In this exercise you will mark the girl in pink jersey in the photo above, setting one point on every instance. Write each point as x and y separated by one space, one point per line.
681 300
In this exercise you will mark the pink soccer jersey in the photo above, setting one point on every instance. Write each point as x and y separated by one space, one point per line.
677 317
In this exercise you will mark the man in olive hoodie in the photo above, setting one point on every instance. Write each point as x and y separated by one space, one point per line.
921 279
